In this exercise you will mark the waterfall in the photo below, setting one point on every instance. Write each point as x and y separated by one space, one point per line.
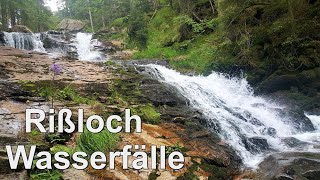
25 41
81 46
252 125
86 47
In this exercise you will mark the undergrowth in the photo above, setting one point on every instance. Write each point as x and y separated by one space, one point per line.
103 141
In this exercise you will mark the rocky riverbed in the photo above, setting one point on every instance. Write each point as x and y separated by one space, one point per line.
23 73
109 88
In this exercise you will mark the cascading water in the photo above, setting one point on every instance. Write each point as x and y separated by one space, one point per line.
25 41
253 126
85 47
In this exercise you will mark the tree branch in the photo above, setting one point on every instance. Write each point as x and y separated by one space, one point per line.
255 4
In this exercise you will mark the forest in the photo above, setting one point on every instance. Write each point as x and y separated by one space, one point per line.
31 13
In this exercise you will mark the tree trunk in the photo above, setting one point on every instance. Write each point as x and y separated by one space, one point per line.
4 14
12 15
212 7
91 21
103 22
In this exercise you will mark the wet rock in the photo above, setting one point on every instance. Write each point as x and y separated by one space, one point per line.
315 111
271 131
159 95
180 120
312 174
290 166
284 177
256 145
2 41
212 154
200 134
294 143
300 121
25 99
55 32
59 42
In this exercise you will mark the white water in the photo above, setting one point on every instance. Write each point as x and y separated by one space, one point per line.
25 41
235 113
85 47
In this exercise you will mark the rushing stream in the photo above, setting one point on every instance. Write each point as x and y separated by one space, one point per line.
252 125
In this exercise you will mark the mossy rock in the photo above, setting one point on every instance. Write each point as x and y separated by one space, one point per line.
148 114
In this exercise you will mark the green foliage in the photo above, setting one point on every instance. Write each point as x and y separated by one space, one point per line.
197 27
187 49
120 22
110 63
27 86
248 34
34 133
31 13
219 172
175 148
137 31
163 29
103 141
46 174
153 176
61 148
190 175
148 113
55 138
67 93
137 24
46 92
108 13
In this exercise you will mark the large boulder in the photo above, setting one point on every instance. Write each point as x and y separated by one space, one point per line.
21 28
71 25
291 165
